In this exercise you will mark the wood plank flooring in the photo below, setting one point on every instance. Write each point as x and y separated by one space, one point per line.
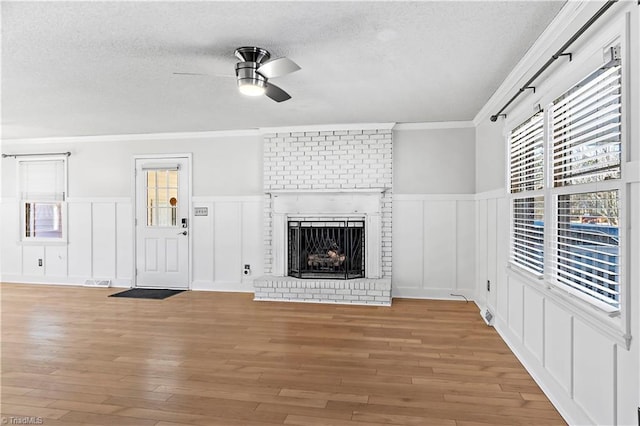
72 356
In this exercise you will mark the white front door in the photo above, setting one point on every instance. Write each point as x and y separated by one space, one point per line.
162 222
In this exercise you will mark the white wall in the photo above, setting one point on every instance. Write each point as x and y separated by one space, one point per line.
433 211
434 160
227 178
578 356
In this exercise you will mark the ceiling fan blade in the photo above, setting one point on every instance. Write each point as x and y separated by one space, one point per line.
204 75
278 67
276 93
188 73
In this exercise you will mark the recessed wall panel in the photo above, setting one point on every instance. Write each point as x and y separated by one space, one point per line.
407 244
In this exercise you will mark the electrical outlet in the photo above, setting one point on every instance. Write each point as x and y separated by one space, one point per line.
247 269
488 285
39 262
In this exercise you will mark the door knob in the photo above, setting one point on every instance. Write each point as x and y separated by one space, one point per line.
182 233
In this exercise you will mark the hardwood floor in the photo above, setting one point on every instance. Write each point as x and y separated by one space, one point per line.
71 356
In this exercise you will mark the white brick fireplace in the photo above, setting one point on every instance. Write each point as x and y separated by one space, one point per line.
321 175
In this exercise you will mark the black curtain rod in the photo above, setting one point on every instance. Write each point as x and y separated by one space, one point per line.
560 52
35 155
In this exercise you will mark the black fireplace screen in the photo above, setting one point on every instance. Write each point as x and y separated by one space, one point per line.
326 248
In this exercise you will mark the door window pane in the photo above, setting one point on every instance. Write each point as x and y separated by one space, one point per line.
162 197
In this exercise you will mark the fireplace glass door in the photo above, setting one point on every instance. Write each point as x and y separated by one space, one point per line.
326 249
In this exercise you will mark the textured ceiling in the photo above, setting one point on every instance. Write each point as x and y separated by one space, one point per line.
98 68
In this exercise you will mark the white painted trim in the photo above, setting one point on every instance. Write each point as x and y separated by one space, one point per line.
631 172
116 200
434 197
62 281
531 61
222 286
492 194
433 293
327 191
134 137
228 198
327 127
434 125
323 301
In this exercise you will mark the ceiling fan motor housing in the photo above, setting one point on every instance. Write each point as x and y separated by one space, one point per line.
247 75
252 54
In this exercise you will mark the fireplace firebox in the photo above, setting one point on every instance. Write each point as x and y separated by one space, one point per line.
326 249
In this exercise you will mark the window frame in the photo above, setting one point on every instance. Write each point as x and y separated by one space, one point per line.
22 202
555 192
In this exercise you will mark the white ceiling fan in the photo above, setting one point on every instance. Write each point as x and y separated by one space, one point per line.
255 69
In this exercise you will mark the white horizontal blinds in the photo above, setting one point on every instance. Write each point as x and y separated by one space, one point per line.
526 171
586 129
526 151
527 241
42 180
586 256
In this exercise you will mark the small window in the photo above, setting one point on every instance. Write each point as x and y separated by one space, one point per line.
42 192
526 171
587 129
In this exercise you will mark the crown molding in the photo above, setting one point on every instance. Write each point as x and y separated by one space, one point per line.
434 125
134 137
531 60
327 127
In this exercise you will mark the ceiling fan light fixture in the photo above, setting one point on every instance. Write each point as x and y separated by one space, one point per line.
251 87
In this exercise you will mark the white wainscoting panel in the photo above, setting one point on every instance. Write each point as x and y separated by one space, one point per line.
124 241
33 260
439 254
225 240
104 240
408 245
500 287
11 249
533 323
80 241
202 238
594 367
252 241
558 348
516 304
433 246
481 255
55 260
465 245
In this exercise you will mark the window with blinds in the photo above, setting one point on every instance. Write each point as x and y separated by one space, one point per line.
587 253
526 151
586 134
526 171
42 189
586 139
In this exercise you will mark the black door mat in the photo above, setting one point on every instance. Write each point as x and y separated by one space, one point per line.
146 293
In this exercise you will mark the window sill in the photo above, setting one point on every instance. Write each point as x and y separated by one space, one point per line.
43 242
